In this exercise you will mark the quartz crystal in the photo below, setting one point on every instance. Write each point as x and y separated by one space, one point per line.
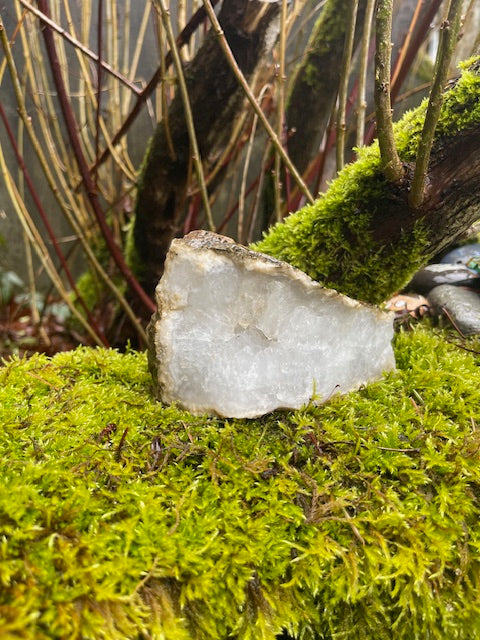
239 334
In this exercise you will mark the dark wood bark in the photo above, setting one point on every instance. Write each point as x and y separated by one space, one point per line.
215 100
451 207
370 244
452 202
315 84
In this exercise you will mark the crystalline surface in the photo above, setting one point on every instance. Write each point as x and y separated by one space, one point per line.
239 334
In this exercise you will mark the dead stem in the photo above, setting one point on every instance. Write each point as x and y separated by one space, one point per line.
362 74
78 45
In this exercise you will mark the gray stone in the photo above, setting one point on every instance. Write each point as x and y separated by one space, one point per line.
239 334
461 305
434 275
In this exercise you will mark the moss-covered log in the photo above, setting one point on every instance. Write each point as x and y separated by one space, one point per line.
362 237
215 99
123 519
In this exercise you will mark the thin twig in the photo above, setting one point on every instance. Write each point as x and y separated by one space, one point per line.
406 43
71 127
165 15
69 208
351 443
50 232
258 195
78 45
131 68
447 313
32 288
142 97
99 77
85 81
362 73
448 39
227 152
418 39
462 346
118 450
42 252
251 98
391 163
181 20
243 185
343 83
281 78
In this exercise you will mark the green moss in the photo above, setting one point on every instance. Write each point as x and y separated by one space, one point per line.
333 239
131 254
90 289
121 518
327 32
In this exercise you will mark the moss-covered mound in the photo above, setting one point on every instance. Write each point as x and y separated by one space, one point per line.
120 518
334 241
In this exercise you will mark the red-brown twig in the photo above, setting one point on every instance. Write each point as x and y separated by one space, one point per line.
73 135
78 45
182 39
51 234
99 78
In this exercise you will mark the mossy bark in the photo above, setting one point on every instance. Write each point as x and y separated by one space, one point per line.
215 99
362 237
315 85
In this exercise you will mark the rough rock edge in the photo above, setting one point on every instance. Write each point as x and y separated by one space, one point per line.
201 240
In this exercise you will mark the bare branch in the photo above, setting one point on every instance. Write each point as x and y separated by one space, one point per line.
391 163
448 39
343 85
281 77
92 194
78 45
143 96
188 111
67 208
362 73
251 98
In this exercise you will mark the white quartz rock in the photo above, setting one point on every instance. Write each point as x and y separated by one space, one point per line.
239 334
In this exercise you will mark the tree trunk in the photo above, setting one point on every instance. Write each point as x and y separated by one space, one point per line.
362 237
215 100
315 85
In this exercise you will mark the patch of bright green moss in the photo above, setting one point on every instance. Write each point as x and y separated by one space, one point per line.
122 518
332 239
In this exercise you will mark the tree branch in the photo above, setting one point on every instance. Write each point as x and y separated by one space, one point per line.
72 131
391 163
362 73
343 87
143 96
448 39
81 47
188 111
251 98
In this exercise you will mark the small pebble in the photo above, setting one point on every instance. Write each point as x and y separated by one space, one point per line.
434 275
460 305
